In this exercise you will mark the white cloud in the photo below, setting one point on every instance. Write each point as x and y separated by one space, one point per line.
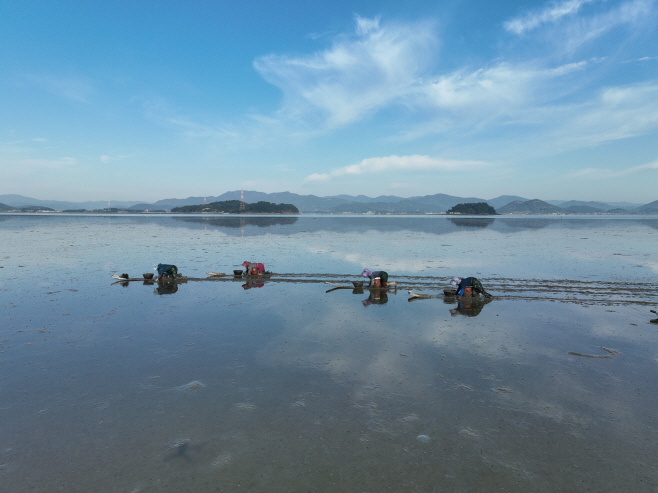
615 113
550 14
39 139
106 159
502 87
395 163
364 26
389 64
585 30
375 67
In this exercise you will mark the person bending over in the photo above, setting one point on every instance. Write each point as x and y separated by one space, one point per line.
471 282
383 276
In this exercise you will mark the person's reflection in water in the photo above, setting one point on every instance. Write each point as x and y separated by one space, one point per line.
166 286
253 284
376 297
469 308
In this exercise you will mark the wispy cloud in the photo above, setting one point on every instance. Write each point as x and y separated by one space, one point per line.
584 30
390 68
612 114
63 162
377 65
502 87
550 14
389 64
602 173
395 163
105 158
66 86
571 31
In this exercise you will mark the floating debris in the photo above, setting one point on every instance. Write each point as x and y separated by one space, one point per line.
505 390
469 433
612 354
176 444
192 386
244 407
409 418
423 438
222 460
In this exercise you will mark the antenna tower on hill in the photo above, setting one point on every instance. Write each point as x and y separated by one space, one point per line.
242 199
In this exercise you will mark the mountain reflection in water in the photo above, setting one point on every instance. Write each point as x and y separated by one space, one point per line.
472 222
240 222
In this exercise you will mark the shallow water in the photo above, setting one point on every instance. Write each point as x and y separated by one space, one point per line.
289 388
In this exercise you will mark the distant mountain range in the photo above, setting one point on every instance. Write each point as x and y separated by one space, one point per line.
530 207
360 204
573 207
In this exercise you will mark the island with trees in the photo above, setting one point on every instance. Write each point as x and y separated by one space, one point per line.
233 207
473 209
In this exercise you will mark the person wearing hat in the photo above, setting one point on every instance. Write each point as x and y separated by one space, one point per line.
383 276
471 282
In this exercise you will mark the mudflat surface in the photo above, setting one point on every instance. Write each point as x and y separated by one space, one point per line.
223 385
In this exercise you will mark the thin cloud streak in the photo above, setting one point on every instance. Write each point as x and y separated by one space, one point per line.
602 173
501 88
581 31
615 113
550 14
36 164
395 163
70 87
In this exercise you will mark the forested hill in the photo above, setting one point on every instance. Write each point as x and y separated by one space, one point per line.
233 207
530 207
473 209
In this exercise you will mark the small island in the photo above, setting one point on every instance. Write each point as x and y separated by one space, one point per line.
233 207
473 209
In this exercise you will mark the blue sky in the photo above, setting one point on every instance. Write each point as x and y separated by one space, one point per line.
149 100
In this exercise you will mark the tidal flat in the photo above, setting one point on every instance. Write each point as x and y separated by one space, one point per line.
227 385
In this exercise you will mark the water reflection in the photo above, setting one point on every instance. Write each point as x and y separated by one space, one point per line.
530 222
376 297
286 225
239 222
472 222
253 283
469 307
166 286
